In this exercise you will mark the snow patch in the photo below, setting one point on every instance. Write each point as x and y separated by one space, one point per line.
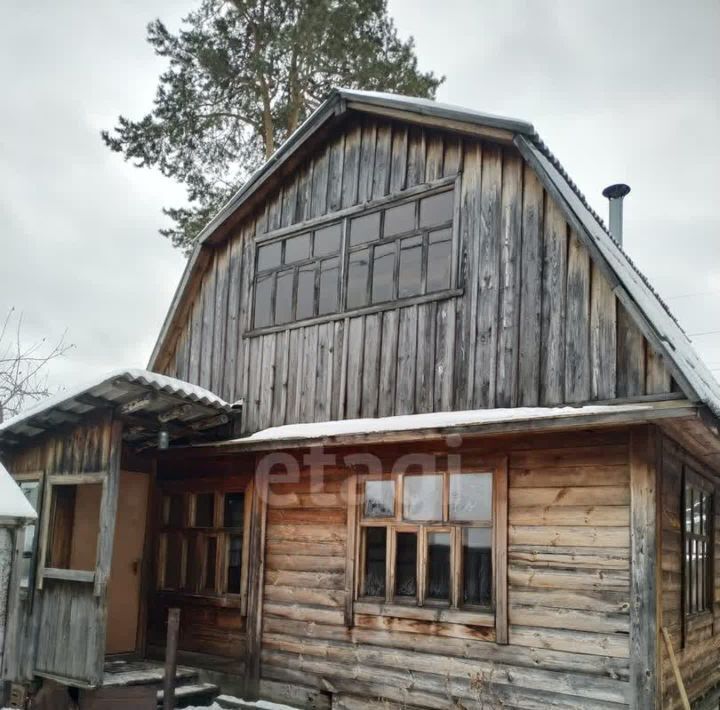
13 503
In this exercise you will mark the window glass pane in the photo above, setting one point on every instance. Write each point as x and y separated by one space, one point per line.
357 279
383 273
688 508
175 510
410 279
399 219
283 297
439 261
406 564
25 569
327 240
436 210
173 561
328 297
297 248
268 256
263 300
194 568
365 229
234 510
379 499
477 566
30 489
471 496
422 497
438 566
234 569
375 556
205 510
306 292
210 564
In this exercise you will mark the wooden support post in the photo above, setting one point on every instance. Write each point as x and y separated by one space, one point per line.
644 568
171 647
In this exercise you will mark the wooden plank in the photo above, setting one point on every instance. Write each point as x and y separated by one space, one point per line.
444 356
256 576
219 342
295 364
425 359
435 156
388 363
630 356
509 282
196 340
338 370
469 238
235 324
382 168
208 325
309 373
367 160
577 328
398 159
657 376
486 344
643 609
318 204
323 388
453 156
371 365
407 343
351 166
281 371
353 392
416 156
500 546
552 353
676 670
267 379
335 174
603 336
350 555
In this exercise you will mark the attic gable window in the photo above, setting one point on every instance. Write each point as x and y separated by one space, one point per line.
392 250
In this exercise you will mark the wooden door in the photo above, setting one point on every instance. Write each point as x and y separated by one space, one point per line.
125 574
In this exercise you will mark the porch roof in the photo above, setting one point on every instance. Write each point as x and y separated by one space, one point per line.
145 399
438 425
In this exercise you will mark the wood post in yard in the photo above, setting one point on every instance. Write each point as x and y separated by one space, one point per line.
171 647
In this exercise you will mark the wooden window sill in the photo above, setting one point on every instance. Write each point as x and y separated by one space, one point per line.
69 575
426 613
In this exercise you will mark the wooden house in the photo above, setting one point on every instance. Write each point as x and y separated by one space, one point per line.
434 442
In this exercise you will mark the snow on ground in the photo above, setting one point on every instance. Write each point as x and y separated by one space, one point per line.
230 702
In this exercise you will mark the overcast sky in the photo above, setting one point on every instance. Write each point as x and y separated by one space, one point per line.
619 91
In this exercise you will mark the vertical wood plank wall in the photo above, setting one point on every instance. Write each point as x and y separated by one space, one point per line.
537 323
63 631
568 575
699 658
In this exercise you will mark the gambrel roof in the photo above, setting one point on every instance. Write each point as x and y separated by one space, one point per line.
630 286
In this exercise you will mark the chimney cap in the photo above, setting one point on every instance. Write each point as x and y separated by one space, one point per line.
613 192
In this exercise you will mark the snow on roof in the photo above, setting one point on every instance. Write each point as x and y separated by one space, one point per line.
442 420
13 503
102 387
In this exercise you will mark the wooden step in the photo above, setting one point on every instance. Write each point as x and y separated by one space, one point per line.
126 673
192 694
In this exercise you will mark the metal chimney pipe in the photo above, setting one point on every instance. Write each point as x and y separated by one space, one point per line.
616 194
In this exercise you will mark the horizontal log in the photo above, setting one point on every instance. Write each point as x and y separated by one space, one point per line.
572 458
298 612
569 495
306 516
294 595
570 557
570 619
611 602
305 580
303 548
600 515
585 536
429 628
616 645
307 533
545 578
575 476
304 563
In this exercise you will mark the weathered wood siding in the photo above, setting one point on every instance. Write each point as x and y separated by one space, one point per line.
537 322
61 628
568 577
699 657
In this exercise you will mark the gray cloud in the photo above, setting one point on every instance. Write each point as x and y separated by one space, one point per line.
620 91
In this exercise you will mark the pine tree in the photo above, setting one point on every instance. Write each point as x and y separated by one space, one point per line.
242 76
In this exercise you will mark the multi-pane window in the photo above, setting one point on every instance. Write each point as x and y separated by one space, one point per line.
427 540
697 545
202 543
391 253
298 277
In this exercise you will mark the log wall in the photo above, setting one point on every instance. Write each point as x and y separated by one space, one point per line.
535 323
698 657
568 576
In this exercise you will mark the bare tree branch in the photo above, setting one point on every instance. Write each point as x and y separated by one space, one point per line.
23 366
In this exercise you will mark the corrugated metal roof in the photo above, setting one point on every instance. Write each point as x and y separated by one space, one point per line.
673 341
117 388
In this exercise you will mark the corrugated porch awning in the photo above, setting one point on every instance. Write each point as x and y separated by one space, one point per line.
146 401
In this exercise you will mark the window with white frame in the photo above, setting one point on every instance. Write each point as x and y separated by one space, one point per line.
399 250
427 540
